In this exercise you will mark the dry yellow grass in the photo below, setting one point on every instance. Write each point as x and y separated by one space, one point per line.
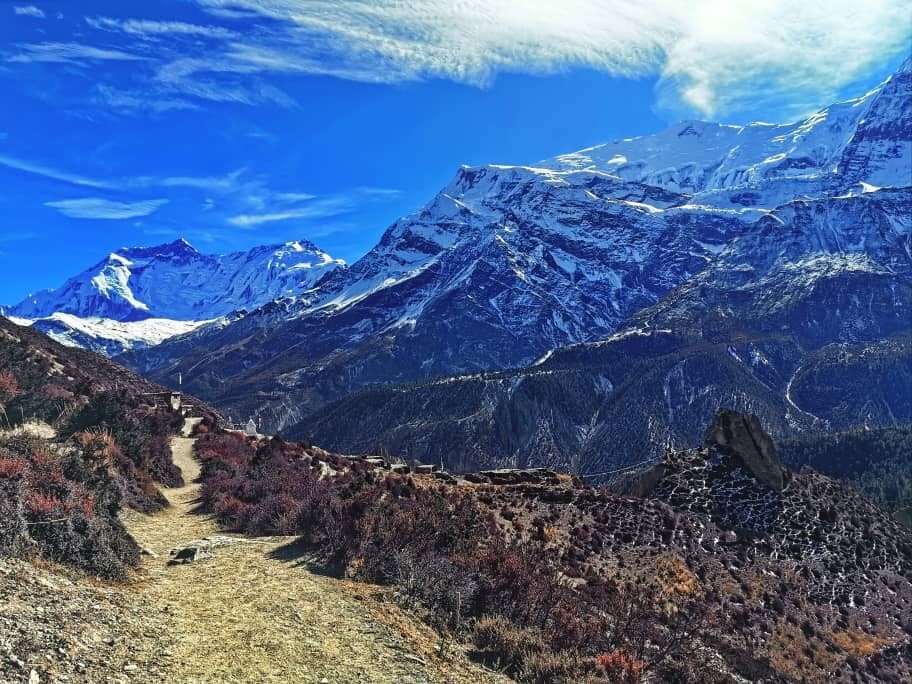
799 657
859 644
248 616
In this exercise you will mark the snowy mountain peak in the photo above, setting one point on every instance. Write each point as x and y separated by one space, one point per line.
180 248
176 282
723 165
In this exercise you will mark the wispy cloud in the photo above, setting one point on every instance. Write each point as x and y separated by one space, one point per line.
250 198
69 53
28 11
709 55
314 207
295 196
148 28
37 169
98 208
229 182
251 220
133 101
225 184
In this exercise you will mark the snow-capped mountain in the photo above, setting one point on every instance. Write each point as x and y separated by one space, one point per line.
138 297
864 140
805 320
108 336
177 282
507 263
502 265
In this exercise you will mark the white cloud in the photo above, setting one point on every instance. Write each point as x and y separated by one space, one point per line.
51 173
314 207
98 208
250 220
147 28
228 184
70 53
325 207
138 101
28 11
710 55
295 196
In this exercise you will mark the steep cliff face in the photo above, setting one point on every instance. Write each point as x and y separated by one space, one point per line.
879 153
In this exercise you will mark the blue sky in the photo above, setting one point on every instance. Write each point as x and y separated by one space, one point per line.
243 122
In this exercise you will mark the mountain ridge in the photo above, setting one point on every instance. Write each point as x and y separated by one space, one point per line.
507 263
140 296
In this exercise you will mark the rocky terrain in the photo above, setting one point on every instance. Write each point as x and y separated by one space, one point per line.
766 574
874 460
727 565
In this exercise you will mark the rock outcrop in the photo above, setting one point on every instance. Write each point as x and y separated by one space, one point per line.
742 437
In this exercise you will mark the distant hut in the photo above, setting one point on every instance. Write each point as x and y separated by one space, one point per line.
250 429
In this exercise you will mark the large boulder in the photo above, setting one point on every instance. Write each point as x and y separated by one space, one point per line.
743 438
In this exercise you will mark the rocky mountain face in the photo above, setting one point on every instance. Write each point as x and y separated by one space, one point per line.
786 323
820 528
507 264
803 318
138 297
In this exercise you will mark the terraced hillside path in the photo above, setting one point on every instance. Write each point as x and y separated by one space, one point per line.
247 616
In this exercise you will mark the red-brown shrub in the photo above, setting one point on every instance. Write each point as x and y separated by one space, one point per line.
12 467
447 553
41 504
620 666
9 387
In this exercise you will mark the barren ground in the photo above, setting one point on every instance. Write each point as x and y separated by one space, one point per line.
252 615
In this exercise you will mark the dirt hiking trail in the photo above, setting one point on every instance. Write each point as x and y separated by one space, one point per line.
245 616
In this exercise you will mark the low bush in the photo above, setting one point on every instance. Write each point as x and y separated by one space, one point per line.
449 559
63 504
60 497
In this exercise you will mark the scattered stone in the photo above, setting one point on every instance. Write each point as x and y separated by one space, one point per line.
34 678
200 549
517 476
189 554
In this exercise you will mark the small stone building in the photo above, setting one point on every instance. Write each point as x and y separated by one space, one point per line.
172 400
